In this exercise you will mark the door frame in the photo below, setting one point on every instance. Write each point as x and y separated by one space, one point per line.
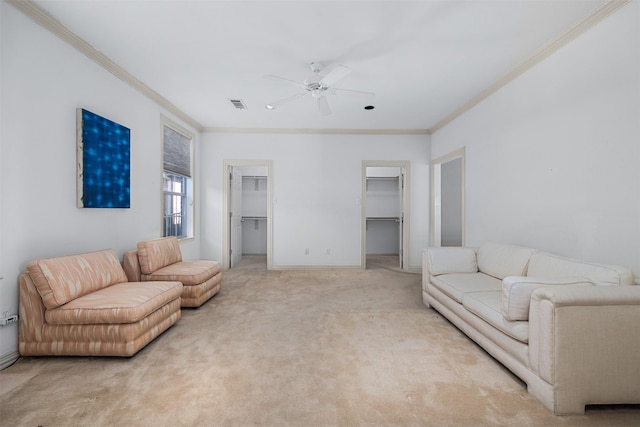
436 196
406 164
226 208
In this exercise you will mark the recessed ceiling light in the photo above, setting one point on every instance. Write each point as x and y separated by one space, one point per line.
269 107
369 107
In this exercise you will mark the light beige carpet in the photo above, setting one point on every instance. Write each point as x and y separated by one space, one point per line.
291 348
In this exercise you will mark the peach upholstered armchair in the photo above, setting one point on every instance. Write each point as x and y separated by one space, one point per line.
161 259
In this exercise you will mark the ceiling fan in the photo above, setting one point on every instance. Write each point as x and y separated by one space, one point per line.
317 87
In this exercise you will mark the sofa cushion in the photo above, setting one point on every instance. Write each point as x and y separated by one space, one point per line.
127 302
487 306
188 272
456 285
499 260
516 292
451 260
158 253
548 265
63 279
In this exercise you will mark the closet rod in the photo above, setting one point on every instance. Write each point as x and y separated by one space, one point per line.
254 177
383 218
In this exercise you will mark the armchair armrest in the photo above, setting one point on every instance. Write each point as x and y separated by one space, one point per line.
584 342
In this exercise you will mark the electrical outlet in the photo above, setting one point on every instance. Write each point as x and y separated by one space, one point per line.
328 252
7 320
306 251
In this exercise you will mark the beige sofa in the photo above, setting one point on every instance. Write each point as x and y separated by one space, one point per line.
83 305
569 329
161 259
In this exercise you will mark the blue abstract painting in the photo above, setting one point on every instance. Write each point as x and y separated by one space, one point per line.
103 162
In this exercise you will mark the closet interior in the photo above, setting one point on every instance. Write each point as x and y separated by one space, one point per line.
254 211
384 217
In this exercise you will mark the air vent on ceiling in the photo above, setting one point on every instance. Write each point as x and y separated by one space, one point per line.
238 103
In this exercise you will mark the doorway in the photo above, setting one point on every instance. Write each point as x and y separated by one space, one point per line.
247 212
385 218
448 200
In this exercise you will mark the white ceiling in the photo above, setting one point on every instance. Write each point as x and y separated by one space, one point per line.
423 59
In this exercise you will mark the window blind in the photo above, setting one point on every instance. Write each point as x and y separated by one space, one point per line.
177 152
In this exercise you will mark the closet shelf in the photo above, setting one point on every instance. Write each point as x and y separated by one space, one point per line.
383 218
253 217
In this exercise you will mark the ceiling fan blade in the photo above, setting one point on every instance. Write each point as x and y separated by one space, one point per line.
338 72
359 93
282 79
323 106
273 105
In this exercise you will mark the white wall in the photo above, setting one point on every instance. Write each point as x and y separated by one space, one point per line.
553 158
43 82
317 184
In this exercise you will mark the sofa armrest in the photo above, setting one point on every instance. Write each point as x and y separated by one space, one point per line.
584 341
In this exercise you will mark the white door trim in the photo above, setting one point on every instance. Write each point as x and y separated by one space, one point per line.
405 206
226 208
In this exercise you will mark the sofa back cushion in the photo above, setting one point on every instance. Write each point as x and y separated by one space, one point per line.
549 265
517 290
451 260
63 279
158 253
500 260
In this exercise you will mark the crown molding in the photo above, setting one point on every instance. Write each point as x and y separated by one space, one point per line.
319 131
590 20
49 22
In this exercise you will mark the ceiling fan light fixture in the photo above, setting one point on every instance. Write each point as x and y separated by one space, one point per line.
317 87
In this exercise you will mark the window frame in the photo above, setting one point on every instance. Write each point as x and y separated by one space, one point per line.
189 203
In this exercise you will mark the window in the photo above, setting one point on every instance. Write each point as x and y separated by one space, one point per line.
177 214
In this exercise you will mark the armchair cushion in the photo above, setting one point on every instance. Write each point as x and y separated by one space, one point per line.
190 273
121 303
158 253
63 279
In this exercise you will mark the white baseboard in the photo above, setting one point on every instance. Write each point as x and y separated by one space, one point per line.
317 267
8 359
